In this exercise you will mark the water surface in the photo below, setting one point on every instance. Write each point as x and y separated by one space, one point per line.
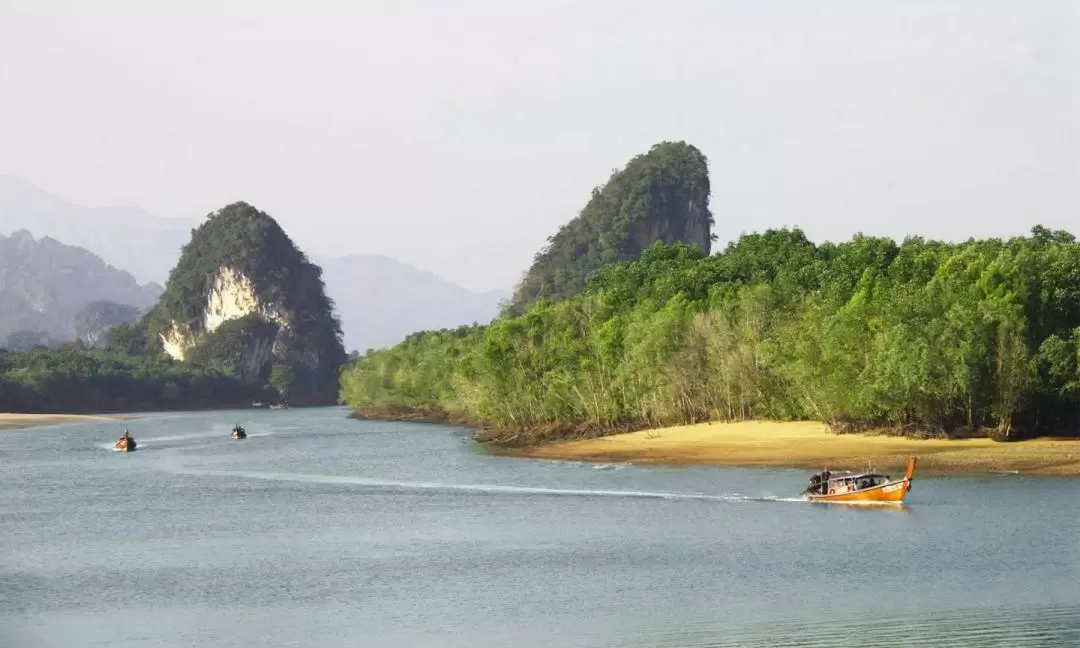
323 531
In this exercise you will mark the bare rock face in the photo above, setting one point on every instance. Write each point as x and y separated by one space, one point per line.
93 322
689 221
232 296
45 285
244 297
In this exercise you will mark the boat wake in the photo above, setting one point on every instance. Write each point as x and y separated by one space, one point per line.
473 488
610 466
152 441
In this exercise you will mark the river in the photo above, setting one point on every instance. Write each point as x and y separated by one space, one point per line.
324 531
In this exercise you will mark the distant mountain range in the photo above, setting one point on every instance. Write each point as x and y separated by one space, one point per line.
45 285
380 300
125 237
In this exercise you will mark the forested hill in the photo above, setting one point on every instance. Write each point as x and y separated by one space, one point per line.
924 337
243 297
244 318
662 195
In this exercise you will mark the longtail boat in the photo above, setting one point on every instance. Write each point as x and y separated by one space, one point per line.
126 443
859 488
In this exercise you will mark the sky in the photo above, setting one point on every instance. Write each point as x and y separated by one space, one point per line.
457 135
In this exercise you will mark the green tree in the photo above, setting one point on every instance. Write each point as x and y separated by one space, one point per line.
282 377
662 196
251 244
924 337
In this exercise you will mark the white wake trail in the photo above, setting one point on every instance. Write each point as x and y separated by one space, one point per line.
152 441
474 488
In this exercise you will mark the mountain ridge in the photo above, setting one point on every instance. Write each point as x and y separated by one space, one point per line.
46 283
381 300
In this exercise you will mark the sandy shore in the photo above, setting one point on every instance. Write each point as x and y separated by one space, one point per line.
810 445
17 421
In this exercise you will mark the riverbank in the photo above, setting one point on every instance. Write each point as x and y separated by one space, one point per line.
810 445
20 421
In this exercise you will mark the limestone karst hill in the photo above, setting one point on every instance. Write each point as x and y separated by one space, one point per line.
661 195
244 298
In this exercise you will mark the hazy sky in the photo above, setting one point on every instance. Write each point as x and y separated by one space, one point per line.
458 135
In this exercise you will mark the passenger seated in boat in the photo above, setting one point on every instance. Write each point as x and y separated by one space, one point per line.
819 483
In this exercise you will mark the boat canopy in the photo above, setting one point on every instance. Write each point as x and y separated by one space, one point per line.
847 476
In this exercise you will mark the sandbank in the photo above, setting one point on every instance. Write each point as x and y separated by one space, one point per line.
811 445
17 421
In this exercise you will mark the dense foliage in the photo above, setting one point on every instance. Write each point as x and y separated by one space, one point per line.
229 366
230 346
26 340
252 244
660 196
75 379
924 337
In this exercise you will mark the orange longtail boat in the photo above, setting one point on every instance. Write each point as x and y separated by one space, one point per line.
126 443
859 488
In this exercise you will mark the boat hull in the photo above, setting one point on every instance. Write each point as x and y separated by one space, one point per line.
891 493
888 493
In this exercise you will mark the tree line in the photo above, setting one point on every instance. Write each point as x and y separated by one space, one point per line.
124 376
922 338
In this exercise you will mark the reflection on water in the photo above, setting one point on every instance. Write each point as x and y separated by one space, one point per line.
323 531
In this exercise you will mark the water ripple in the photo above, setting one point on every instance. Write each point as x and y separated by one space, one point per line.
1029 626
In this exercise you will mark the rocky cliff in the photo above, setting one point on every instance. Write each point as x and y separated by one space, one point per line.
94 321
662 195
45 284
243 297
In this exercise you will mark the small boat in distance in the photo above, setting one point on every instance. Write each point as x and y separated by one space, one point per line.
280 406
859 488
126 443
238 432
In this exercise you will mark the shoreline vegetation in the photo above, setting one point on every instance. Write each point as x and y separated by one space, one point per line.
926 339
239 250
627 321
